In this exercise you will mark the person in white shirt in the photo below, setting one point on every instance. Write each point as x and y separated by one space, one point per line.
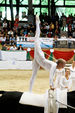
10 32
5 24
40 60
66 81
72 69
3 40
13 48
57 76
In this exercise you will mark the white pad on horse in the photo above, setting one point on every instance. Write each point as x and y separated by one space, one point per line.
32 99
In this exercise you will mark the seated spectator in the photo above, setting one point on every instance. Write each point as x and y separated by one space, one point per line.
74 22
4 47
7 40
47 26
49 34
55 41
5 24
70 31
63 36
25 31
0 38
20 48
9 25
13 47
57 31
3 40
10 32
16 39
16 22
69 19
63 20
33 29
52 27
15 32
66 81
73 35
12 40
31 33
69 42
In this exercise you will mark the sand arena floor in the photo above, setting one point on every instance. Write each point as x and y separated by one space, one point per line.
18 80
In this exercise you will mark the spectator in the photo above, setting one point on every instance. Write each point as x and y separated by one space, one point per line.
0 37
49 34
69 42
9 25
52 27
73 35
10 32
63 20
4 47
55 41
20 48
5 24
16 22
69 30
15 32
69 19
7 40
74 22
13 47
12 40
3 40
47 26
25 32
31 33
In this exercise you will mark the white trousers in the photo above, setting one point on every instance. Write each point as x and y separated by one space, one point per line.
35 68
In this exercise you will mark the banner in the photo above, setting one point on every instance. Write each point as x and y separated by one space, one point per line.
66 55
13 55
28 42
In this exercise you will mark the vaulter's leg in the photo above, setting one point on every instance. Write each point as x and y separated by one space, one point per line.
35 68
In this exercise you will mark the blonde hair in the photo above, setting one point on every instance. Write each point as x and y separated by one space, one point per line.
67 69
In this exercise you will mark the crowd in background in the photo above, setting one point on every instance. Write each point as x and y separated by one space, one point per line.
51 27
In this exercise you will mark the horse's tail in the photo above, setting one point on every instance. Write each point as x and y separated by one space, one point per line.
2 92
